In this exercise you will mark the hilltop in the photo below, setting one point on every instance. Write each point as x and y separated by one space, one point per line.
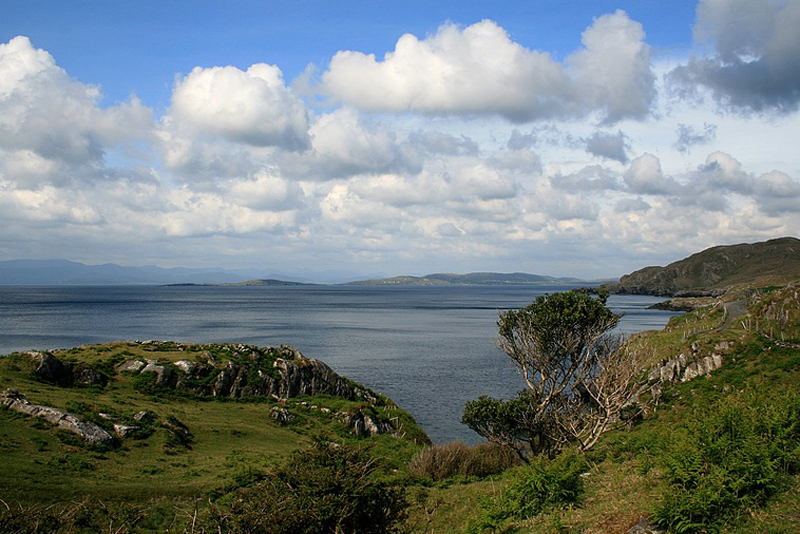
714 270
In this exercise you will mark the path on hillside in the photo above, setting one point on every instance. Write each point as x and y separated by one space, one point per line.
733 310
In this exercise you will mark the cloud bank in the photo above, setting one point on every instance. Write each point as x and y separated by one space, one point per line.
460 151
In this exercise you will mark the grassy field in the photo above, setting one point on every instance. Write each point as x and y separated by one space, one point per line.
231 441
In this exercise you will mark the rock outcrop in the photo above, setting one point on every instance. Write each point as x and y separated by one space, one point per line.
688 366
281 373
87 430
54 371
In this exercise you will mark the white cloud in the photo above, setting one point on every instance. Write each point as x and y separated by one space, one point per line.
479 70
645 177
590 178
456 183
778 194
52 128
252 107
613 71
266 192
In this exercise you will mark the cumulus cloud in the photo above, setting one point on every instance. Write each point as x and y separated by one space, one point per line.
609 146
52 127
434 142
253 106
645 177
613 70
343 145
721 172
778 193
480 70
756 65
266 191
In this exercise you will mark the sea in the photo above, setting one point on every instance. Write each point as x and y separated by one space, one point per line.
431 349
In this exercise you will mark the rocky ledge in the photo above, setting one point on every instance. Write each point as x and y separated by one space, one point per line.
87 430
245 371
234 371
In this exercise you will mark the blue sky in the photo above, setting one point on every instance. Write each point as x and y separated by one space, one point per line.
585 138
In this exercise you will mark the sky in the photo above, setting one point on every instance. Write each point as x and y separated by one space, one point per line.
587 138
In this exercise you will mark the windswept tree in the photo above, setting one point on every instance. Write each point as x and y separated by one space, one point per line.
578 376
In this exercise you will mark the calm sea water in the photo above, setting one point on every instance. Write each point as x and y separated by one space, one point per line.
431 349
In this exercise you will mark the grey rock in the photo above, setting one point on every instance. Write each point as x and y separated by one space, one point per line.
186 366
87 430
645 526
85 375
306 376
366 425
131 366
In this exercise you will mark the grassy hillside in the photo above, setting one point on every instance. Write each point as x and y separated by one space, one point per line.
716 269
227 443
720 452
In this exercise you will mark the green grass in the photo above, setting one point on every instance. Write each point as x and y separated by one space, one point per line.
232 440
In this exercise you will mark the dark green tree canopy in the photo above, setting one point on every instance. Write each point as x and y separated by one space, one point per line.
577 376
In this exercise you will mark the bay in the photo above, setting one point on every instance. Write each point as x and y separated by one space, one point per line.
429 348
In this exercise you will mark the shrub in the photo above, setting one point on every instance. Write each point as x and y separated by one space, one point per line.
326 489
541 486
440 462
732 455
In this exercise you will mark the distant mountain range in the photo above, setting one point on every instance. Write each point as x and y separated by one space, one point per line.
711 271
61 272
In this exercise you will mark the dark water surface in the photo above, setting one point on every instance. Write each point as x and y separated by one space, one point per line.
430 349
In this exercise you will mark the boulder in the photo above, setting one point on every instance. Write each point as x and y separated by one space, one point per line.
186 366
52 370
131 366
645 526
145 416
125 431
281 415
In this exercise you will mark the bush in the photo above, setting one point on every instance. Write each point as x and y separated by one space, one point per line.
440 462
541 486
732 455
326 489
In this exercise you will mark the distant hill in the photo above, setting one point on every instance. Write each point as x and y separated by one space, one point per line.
469 279
62 272
713 270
